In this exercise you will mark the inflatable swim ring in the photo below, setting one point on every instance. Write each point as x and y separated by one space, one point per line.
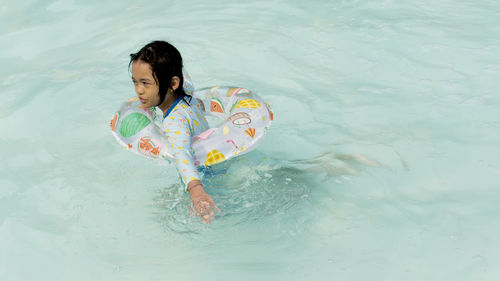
245 117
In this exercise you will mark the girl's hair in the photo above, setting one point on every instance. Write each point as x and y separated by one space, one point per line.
166 62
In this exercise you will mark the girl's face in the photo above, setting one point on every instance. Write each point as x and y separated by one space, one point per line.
146 87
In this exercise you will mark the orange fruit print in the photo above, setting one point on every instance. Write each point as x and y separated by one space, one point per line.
145 144
215 106
113 122
155 151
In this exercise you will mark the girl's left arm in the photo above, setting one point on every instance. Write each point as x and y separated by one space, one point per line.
178 134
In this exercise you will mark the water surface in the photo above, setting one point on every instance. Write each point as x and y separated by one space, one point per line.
382 162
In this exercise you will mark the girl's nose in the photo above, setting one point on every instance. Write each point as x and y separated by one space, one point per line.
139 89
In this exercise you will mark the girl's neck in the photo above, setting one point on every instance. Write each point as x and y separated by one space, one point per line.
167 103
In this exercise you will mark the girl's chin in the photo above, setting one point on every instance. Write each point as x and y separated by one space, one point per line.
146 105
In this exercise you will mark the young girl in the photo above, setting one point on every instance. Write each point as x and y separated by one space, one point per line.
158 79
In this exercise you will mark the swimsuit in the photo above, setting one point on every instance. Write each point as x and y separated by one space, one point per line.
181 122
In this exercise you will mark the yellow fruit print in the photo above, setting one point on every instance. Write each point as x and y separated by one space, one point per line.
250 132
214 157
234 91
225 130
247 103
240 151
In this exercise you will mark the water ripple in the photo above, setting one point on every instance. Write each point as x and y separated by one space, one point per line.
244 193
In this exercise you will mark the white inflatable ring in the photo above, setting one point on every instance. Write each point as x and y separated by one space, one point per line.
246 120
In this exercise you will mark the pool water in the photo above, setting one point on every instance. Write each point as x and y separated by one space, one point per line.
382 162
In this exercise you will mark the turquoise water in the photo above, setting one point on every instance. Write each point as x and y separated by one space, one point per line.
382 162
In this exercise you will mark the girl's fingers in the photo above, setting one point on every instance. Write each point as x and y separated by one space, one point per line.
204 210
212 204
211 213
206 219
215 207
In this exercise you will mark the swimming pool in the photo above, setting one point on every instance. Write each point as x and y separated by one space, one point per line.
381 164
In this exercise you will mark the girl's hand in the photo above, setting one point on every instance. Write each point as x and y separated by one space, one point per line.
202 202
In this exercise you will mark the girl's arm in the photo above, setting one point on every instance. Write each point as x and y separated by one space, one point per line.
178 134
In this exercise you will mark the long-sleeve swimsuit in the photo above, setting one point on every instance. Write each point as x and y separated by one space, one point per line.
181 122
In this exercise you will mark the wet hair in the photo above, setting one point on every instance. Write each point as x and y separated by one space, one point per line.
166 62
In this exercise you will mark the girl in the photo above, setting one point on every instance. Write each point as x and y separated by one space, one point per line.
158 79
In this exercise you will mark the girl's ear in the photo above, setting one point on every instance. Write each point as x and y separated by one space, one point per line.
174 83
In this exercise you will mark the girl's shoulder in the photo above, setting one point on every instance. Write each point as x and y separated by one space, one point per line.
187 108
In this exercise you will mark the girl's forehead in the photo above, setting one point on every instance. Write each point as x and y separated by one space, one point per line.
141 69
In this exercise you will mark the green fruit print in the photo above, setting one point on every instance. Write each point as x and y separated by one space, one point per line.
133 123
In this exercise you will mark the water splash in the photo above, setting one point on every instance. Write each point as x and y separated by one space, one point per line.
244 193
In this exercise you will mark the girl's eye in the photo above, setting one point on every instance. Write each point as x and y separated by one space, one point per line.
144 83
